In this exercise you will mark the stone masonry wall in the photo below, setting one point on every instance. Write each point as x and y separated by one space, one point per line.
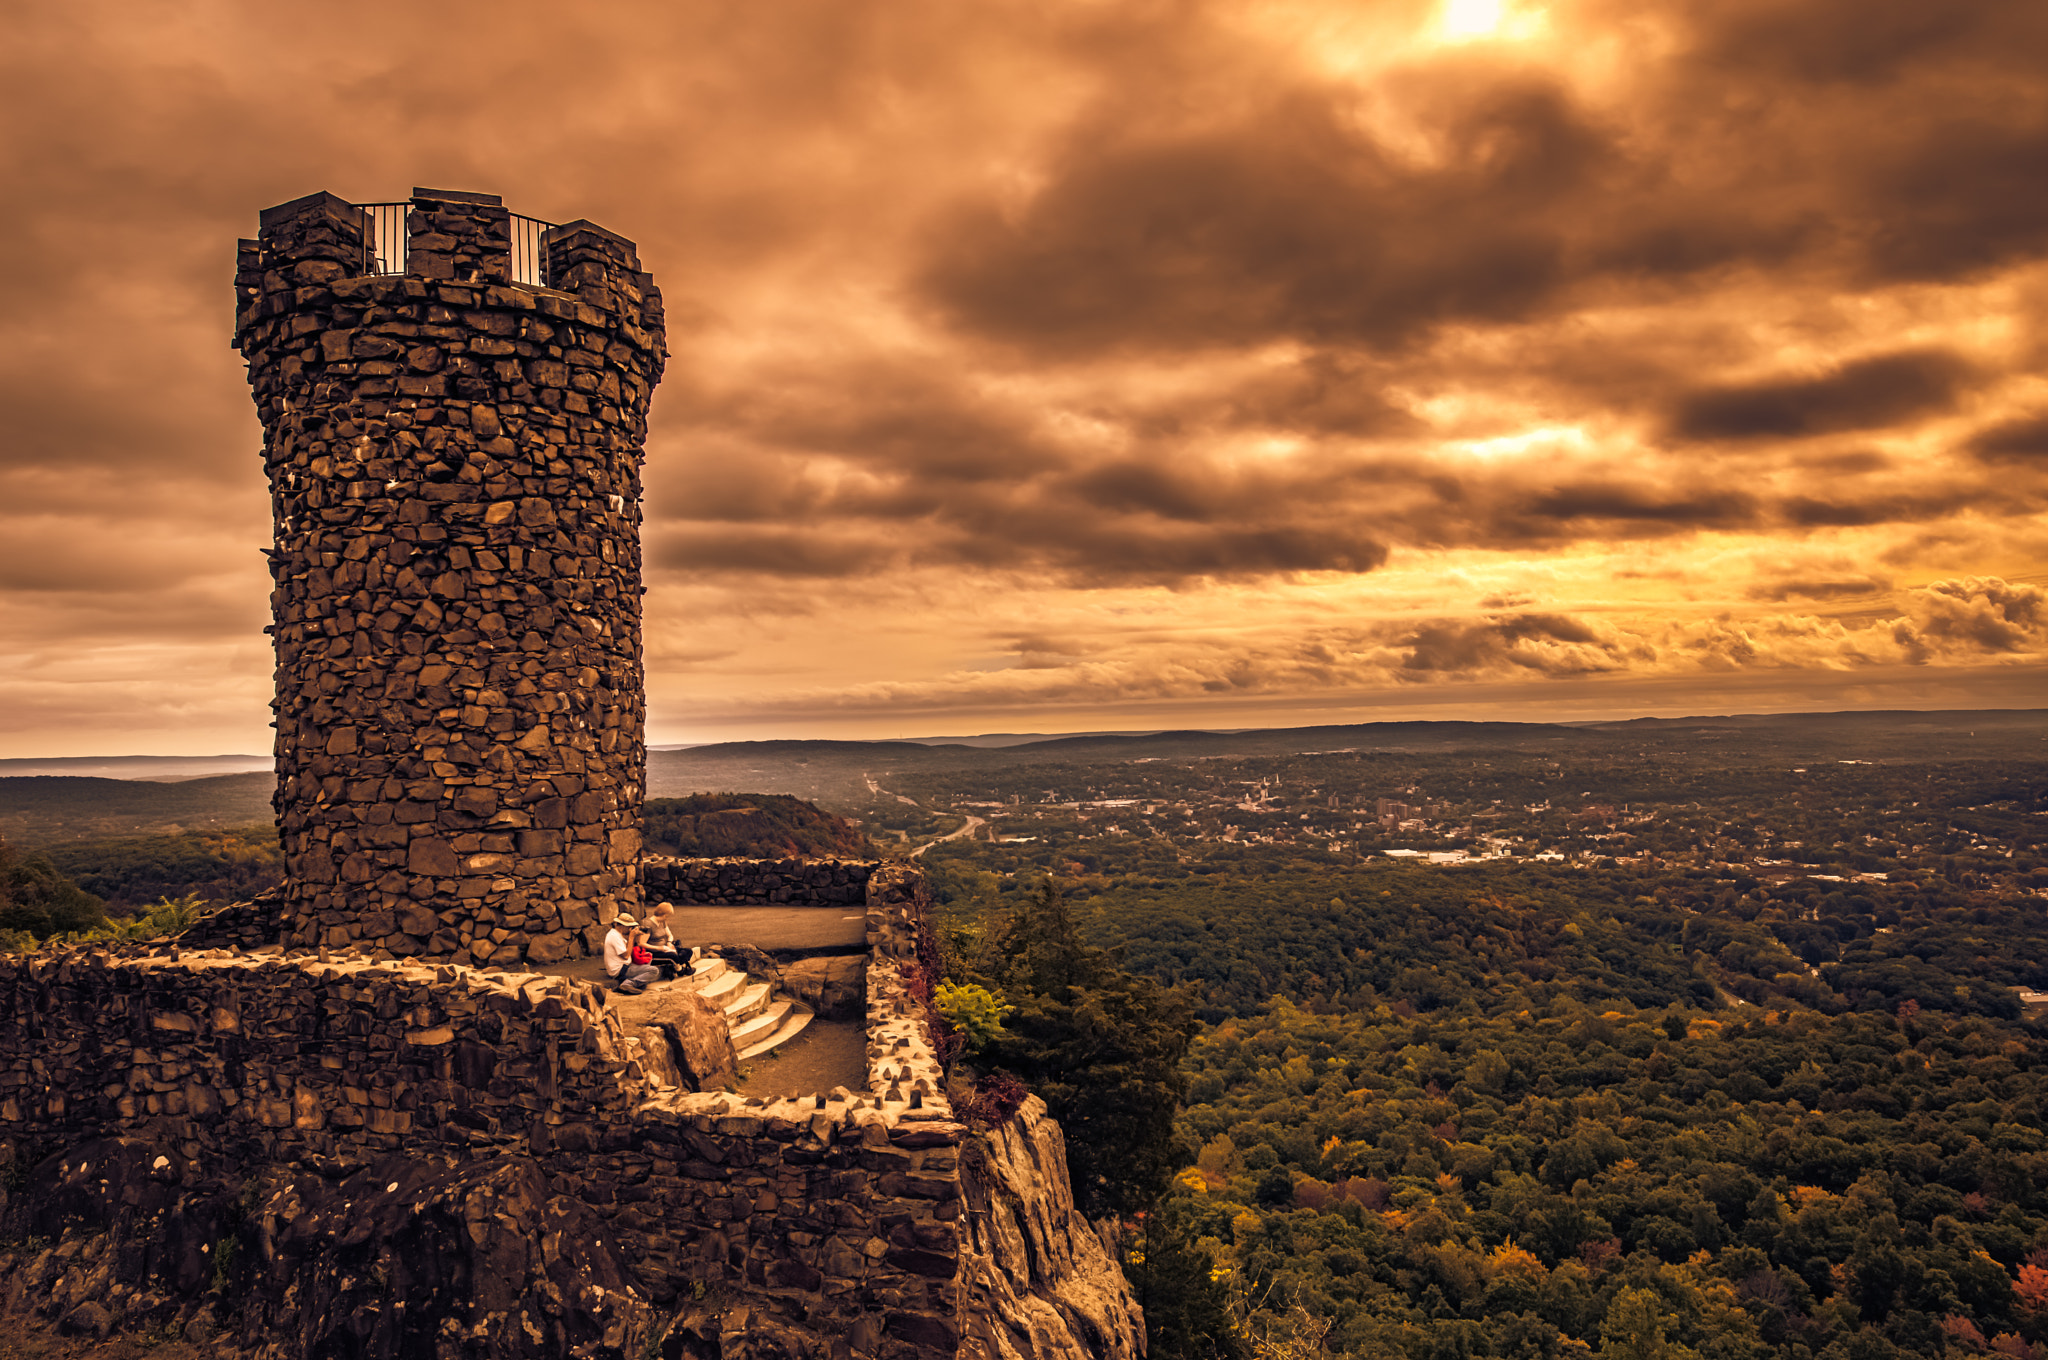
835 1218
757 882
454 462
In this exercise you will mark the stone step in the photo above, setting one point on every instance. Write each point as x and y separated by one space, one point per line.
792 1025
748 1003
723 988
763 1024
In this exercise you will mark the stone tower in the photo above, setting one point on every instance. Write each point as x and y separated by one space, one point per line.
454 404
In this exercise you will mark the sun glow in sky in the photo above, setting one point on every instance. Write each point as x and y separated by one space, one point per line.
1466 20
1079 365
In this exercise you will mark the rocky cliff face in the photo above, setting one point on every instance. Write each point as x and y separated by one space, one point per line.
1037 1282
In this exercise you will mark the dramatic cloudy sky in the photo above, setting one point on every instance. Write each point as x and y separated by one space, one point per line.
1076 364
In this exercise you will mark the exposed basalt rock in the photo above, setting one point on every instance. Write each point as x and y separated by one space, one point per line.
1039 1283
688 1032
834 986
454 463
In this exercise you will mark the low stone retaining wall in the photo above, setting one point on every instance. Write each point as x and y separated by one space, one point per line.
757 882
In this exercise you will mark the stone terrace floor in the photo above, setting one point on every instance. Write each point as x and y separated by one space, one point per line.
827 1053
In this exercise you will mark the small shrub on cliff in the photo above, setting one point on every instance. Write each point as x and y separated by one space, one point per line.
165 918
974 1011
989 1101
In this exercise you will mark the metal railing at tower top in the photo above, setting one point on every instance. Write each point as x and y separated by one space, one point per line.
387 242
385 237
529 252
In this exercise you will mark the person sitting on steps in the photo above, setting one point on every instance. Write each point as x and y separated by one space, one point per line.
632 978
661 942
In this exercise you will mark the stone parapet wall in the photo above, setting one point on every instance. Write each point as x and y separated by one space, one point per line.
832 1215
243 926
794 882
454 464
899 902
295 1057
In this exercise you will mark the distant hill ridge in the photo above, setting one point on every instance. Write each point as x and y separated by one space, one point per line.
45 808
750 825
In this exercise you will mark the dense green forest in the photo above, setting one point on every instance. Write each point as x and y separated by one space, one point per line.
131 872
1523 1109
36 900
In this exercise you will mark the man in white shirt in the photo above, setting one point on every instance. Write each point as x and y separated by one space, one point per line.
618 958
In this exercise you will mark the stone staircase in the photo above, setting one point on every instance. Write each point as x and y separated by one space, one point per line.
760 1021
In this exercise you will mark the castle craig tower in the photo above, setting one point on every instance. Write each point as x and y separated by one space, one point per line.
454 405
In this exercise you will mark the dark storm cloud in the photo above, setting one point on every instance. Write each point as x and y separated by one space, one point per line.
1897 141
1781 591
1907 138
1855 41
1287 223
1545 644
1327 393
1968 195
2016 441
1873 393
1808 511
1615 502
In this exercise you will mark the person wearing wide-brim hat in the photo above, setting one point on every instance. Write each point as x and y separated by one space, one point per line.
619 942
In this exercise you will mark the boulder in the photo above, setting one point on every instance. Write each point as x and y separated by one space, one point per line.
694 1030
836 987
87 1319
549 948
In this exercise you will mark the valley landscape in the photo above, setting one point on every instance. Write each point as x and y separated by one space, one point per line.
1717 1036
